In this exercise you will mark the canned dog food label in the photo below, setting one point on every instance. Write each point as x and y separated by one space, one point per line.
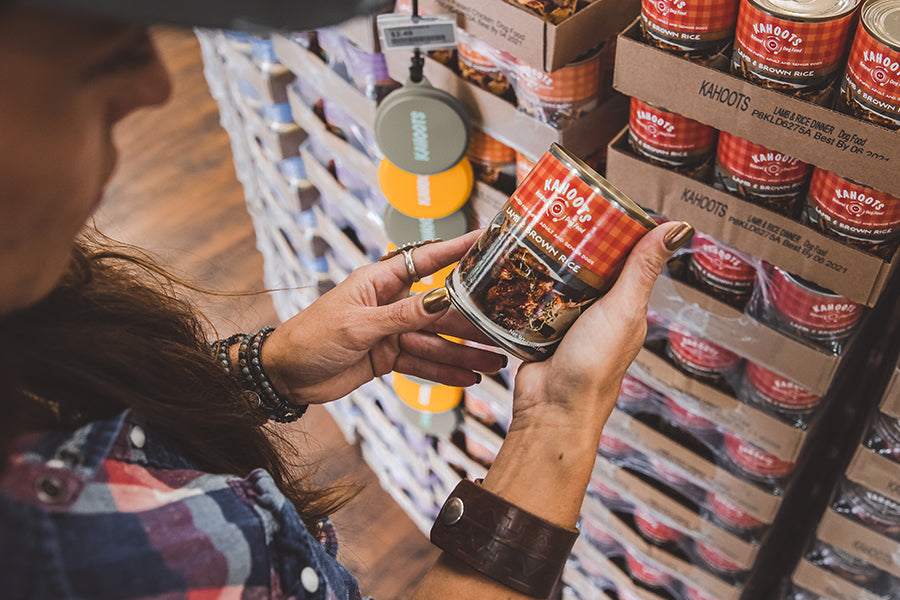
873 68
701 354
690 23
687 419
791 51
716 559
668 135
758 169
720 265
646 573
755 461
779 391
852 209
728 512
557 245
813 311
655 529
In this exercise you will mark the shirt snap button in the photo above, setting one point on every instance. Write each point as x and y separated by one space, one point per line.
49 489
309 579
137 436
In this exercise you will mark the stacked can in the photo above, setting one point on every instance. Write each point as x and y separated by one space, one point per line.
870 508
778 395
697 29
854 213
702 359
794 47
669 139
755 464
884 437
558 97
647 574
721 271
725 513
844 565
635 396
554 11
757 174
493 162
701 428
807 311
870 88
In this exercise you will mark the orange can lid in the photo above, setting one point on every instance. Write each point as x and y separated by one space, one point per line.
426 196
426 397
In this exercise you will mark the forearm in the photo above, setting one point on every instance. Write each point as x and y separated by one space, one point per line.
541 468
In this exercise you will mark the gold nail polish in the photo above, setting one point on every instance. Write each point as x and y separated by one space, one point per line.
678 236
436 300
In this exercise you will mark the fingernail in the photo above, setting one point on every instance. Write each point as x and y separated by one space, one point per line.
477 378
436 300
678 236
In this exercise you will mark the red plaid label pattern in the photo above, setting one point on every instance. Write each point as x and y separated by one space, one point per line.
873 72
763 170
700 353
688 20
854 209
781 47
778 390
687 419
523 167
820 314
730 513
575 226
669 134
653 528
572 83
753 460
721 263
646 573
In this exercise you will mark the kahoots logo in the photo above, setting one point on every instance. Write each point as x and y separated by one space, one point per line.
564 199
419 135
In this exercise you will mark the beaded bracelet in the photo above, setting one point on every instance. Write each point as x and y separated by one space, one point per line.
253 376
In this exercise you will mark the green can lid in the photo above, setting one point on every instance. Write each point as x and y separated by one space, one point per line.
421 129
402 229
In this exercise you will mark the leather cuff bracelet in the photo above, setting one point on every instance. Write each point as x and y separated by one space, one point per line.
500 540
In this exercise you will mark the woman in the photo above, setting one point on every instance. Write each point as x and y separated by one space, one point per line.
134 465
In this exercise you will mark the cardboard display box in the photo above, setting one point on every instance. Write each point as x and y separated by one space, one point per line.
503 121
875 472
307 65
755 426
536 42
751 499
850 147
739 332
890 402
674 514
828 585
674 566
271 87
768 235
277 144
860 541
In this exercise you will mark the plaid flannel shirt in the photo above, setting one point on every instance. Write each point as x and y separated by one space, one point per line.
109 511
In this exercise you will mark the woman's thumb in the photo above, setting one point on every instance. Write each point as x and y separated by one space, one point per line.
411 314
647 260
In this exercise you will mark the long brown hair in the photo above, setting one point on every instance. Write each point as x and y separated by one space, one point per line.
114 334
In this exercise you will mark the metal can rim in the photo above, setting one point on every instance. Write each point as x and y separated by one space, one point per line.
603 187
772 9
868 13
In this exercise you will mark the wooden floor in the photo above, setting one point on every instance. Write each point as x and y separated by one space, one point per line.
175 193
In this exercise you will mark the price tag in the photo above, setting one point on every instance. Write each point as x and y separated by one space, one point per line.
405 32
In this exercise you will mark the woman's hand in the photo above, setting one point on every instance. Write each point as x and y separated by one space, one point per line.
579 383
369 325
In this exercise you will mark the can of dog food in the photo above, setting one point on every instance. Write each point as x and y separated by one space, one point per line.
777 394
557 245
479 63
696 29
493 162
669 139
795 47
810 311
853 213
561 95
765 177
729 515
721 271
754 463
870 88
701 358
